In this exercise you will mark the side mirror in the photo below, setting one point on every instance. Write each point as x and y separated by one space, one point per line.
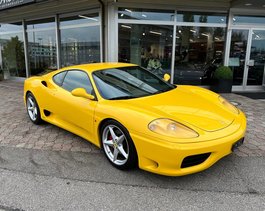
81 92
166 77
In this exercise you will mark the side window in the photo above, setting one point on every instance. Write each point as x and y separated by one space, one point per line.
77 79
58 78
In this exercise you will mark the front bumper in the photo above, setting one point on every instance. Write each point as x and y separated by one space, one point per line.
162 157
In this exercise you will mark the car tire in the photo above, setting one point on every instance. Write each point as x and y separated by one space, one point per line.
33 109
118 146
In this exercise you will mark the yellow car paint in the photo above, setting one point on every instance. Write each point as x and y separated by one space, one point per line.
196 108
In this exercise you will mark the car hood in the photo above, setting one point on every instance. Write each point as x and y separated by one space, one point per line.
185 106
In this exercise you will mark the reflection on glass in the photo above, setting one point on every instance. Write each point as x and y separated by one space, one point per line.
12 59
146 45
42 47
238 54
79 19
257 55
146 14
41 24
199 51
201 17
241 19
80 41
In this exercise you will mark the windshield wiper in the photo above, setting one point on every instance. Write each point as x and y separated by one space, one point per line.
122 97
163 90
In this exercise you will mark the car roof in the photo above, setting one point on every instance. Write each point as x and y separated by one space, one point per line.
98 66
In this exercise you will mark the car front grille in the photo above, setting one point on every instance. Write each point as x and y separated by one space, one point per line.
194 160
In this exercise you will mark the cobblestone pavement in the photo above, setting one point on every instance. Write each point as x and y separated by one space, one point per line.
16 130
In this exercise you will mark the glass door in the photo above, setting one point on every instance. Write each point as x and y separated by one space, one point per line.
238 55
256 62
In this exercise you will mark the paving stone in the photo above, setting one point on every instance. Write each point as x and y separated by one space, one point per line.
16 130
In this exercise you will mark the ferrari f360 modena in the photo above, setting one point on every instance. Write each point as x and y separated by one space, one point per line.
137 118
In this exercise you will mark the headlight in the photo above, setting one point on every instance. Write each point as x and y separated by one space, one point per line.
228 105
171 128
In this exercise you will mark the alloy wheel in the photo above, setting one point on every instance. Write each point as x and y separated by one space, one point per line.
32 108
115 145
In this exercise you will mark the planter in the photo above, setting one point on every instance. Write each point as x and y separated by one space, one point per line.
222 85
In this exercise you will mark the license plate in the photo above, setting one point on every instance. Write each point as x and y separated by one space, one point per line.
237 144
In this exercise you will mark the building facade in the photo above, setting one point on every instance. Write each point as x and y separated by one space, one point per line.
187 39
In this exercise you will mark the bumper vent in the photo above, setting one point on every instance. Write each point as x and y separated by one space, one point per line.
194 160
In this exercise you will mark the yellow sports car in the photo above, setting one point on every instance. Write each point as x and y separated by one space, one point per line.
137 118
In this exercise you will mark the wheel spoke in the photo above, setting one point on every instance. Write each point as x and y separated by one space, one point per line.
35 111
31 102
108 142
120 139
30 108
121 150
115 154
113 135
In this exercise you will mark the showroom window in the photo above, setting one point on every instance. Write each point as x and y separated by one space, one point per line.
199 51
80 39
12 58
201 17
146 14
194 55
41 46
148 45
243 19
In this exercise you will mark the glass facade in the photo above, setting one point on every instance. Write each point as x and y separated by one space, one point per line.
199 51
149 46
237 56
201 17
146 14
41 46
257 57
12 59
80 39
189 45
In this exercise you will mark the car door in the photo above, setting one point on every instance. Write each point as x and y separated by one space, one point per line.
76 112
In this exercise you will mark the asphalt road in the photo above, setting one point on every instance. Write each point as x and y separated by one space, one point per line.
50 180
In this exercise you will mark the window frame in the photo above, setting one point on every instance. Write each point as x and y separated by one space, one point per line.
65 71
89 79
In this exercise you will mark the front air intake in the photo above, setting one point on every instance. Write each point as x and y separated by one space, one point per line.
194 160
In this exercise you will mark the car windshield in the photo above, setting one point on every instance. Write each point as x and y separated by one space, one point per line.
129 82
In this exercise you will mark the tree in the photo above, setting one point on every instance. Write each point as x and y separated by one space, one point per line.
13 56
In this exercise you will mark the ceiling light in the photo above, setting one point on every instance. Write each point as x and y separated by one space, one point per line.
179 31
192 30
144 15
125 26
127 10
248 4
143 34
82 16
122 15
234 19
154 32
177 37
206 35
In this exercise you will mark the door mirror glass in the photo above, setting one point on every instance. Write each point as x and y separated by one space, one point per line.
166 77
81 92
